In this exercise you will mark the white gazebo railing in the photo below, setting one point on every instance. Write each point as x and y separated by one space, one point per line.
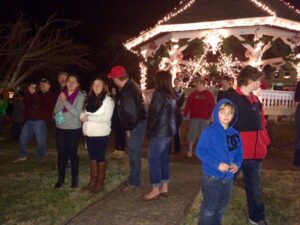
277 103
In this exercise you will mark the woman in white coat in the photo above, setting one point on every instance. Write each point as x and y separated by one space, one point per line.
96 118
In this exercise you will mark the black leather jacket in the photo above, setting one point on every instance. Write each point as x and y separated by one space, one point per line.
131 106
161 116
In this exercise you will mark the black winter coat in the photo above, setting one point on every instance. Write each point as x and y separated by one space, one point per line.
131 106
161 116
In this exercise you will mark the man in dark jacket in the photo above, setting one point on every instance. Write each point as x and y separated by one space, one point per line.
132 113
251 125
38 111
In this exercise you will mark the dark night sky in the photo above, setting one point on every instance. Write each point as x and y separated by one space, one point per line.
100 18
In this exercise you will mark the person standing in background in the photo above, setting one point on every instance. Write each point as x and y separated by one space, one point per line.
96 118
161 126
251 124
68 130
180 97
296 161
199 106
133 116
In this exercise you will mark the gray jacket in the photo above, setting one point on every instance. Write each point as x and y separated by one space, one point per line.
71 117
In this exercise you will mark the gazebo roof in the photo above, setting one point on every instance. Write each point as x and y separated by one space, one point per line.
215 10
216 14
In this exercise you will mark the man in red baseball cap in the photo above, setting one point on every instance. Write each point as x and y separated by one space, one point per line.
131 109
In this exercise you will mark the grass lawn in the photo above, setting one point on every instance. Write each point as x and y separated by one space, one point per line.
27 194
281 185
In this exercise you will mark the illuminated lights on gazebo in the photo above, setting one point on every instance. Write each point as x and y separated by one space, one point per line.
279 20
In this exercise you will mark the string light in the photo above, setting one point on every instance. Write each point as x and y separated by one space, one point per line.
290 6
264 7
161 28
143 70
175 13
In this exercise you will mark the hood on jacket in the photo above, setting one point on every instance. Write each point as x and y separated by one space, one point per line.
216 112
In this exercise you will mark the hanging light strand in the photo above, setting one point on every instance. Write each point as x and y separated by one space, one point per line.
176 12
290 6
264 7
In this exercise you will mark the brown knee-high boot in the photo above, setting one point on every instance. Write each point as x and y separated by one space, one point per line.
93 176
100 178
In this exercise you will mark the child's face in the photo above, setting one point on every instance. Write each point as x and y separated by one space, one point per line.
225 116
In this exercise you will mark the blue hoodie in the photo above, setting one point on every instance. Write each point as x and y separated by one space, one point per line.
217 145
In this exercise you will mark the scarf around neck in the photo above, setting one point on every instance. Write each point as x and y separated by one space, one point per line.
70 98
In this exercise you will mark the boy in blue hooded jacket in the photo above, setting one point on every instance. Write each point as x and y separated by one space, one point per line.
220 150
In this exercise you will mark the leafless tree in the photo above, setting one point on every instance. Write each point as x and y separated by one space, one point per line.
26 49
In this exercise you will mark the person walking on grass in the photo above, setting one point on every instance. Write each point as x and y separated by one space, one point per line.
161 127
220 150
133 116
251 124
96 117
68 129
199 106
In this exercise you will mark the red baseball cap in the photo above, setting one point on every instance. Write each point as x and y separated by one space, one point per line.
116 72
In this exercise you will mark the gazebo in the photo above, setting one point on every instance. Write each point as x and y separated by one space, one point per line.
262 33
221 36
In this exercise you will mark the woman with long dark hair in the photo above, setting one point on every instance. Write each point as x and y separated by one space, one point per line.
161 128
68 129
96 118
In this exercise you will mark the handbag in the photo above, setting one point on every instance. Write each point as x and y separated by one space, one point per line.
59 118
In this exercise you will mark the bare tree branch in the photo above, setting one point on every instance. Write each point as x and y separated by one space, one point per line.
26 48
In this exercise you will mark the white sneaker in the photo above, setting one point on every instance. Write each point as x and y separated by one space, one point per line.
189 154
261 222
20 159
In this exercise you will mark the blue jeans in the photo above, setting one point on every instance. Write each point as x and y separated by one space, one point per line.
134 146
159 160
96 147
251 172
216 193
37 128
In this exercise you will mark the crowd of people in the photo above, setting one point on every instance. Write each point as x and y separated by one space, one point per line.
234 140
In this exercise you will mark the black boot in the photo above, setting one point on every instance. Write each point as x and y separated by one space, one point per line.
59 183
75 182
61 170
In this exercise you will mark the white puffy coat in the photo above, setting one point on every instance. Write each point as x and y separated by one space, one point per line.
99 122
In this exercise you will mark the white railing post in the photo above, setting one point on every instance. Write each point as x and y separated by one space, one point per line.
277 103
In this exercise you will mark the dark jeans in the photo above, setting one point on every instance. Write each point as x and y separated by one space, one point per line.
159 160
251 171
67 145
216 193
1 123
297 146
16 129
120 135
96 147
134 147
177 141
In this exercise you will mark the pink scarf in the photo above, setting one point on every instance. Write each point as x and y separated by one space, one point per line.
70 98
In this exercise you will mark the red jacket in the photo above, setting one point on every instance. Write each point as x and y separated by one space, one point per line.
200 105
39 106
251 124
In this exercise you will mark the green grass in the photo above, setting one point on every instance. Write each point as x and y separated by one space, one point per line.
27 194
